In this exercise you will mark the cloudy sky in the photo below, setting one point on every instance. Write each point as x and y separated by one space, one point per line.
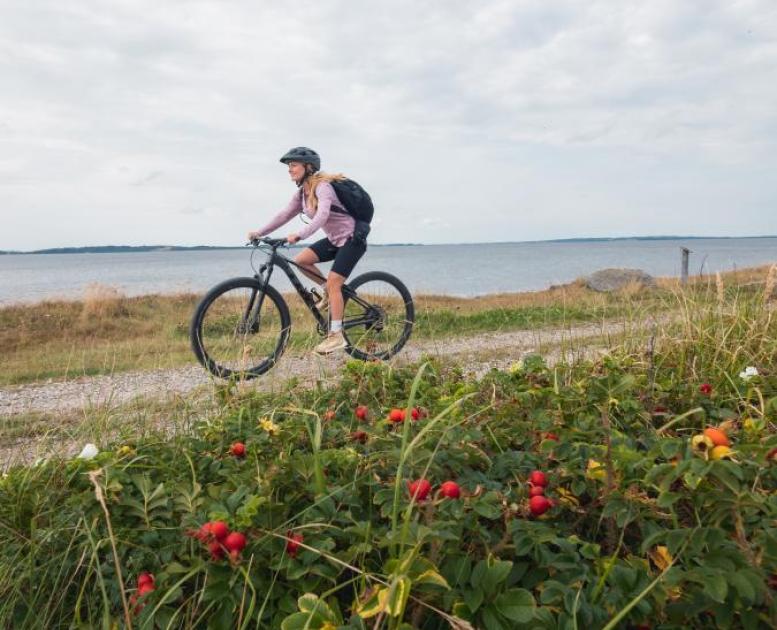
140 122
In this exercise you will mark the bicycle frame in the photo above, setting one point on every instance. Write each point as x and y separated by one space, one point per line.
371 317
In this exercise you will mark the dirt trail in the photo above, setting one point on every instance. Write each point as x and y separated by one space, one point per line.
479 353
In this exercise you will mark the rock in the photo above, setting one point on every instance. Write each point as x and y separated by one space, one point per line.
615 279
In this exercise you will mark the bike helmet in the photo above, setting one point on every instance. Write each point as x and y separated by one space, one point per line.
304 155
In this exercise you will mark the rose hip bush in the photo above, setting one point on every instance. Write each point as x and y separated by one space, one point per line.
556 498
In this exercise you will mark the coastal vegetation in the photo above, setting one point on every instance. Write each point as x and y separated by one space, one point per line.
107 332
632 490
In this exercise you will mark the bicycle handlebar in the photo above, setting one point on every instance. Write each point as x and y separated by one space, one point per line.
272 242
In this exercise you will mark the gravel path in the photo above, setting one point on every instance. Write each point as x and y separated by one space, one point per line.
481 353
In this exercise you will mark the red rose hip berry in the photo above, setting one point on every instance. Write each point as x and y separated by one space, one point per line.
238 449
539 505
361 412
419 489
216 550
235 542
538 478
536 491
292 545
217 529
450 490
397 415
145 578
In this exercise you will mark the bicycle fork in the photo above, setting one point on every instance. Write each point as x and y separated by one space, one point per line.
252 314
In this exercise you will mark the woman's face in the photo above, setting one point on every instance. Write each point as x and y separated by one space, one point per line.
296 171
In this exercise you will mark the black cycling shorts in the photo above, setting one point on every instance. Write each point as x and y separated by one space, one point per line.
345 257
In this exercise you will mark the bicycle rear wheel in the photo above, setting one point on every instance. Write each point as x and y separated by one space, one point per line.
378 316
239 330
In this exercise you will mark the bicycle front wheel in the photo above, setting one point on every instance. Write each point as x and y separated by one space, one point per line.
239 330
379 316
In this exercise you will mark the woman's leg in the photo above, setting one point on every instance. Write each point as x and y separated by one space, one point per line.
347 256
307 260
334 287
335 340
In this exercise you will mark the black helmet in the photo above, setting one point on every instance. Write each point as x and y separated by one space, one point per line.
304 155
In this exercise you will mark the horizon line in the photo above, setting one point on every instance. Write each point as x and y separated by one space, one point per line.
667 237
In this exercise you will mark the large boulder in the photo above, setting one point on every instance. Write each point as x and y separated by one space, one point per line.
616 279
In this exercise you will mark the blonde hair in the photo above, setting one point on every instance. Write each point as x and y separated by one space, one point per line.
315 180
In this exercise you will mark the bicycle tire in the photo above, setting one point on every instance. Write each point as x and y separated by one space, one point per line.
408 316
200 341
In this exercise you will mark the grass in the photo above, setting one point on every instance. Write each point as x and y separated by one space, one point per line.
27 436
107 332
596 559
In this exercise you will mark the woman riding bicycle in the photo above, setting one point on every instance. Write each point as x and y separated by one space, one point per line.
316 199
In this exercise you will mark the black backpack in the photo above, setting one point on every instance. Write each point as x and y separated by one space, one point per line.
356 200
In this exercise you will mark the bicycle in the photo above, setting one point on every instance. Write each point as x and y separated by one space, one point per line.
242 326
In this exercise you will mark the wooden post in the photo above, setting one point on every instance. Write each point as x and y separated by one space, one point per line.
684 273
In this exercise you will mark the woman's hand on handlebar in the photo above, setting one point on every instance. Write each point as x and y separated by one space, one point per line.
292 238
254 239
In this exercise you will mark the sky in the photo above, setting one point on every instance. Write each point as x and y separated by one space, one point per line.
138 122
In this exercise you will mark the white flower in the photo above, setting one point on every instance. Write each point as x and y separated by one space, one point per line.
748 373
516 367
88 452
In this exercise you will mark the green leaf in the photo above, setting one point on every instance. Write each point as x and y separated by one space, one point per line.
743 588
544 619
693 479
478 573
460 609
715 586
312 604
749 619
374 605
488 510
300 621
457 570
432 577
496 573
517 604
398 593
175 567
490 619
473 598
721 472
590 551
552 591
667 499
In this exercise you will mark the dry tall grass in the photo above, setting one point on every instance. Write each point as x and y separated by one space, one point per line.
102 301
108 331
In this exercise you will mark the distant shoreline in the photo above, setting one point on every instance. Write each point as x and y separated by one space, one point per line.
129 249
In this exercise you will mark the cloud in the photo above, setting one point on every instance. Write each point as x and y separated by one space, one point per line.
511 119
145 179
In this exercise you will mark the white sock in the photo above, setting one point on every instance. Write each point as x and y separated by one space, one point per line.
337 325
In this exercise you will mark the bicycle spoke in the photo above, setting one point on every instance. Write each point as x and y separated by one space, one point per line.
240 330
378 318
